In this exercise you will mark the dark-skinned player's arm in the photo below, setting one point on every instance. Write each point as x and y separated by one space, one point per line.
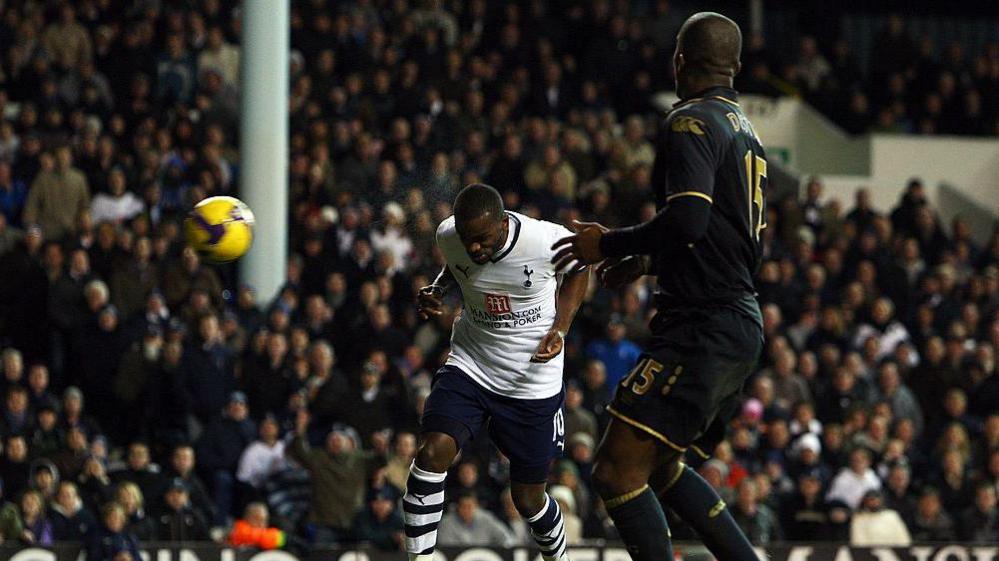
430 300
570 295
690 160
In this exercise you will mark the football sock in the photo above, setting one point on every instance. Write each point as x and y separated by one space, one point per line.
422 508
696 502
549 531
641 522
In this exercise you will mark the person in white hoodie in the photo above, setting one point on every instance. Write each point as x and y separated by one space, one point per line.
117 205
264 457
874 525
853 481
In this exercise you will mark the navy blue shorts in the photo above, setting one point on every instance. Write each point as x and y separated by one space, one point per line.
530 432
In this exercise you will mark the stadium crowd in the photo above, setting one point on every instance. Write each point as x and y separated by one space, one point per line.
146 396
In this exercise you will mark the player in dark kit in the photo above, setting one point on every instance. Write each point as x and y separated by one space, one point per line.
704 245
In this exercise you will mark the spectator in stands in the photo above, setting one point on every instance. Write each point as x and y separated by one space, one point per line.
117 205
131 499
403 454
338 473
379 523
15 465
875 525
803 515
37 526
180 521
931 523
112 539
759 523
850 484
11 525
617 354
71 521
182 466
219 451
139 469
57 196
468 525
980 522
264 457
253 531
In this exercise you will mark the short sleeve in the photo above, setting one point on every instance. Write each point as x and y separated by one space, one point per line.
691 158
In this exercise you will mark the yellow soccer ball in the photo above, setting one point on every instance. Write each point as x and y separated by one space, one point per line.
220 229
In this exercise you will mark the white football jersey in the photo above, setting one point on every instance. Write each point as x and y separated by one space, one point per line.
509 305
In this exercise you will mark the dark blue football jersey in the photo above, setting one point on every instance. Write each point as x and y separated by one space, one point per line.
707 148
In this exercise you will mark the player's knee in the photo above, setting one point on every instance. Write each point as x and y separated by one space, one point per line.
529 502
612 479
436 453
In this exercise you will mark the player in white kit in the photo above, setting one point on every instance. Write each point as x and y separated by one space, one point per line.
505 365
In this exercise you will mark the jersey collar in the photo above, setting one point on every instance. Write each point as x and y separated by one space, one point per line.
511 238
717 92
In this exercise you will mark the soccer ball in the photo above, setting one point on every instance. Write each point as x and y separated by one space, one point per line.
220 229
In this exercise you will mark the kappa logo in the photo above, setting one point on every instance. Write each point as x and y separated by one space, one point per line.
687 124
497 303
528 283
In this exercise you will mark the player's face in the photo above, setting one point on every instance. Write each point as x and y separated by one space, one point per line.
482 237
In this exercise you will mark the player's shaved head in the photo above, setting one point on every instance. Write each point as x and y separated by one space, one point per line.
478 200
708 48
480 221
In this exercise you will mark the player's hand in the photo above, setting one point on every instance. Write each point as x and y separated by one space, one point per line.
615 273
549 347
430 301
583 248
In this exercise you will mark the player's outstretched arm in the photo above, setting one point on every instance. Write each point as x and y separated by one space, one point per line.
430 301
570 296
617 272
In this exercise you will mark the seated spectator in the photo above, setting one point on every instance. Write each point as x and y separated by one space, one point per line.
95 485
874 525
252 530
980 521
131 499
37 526
117 205
139 469
931 523
264 457
14 467
804 514
179 520
220 448
399 462
182 464
850 484
71 522
379 523
756 520
11 525
898 493
468 525
112 541
44 478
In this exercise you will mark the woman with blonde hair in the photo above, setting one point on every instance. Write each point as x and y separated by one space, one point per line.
954 438
129 496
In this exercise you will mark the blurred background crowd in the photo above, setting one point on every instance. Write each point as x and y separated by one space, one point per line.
147 395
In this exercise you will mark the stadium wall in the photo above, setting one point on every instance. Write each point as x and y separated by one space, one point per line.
781 552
